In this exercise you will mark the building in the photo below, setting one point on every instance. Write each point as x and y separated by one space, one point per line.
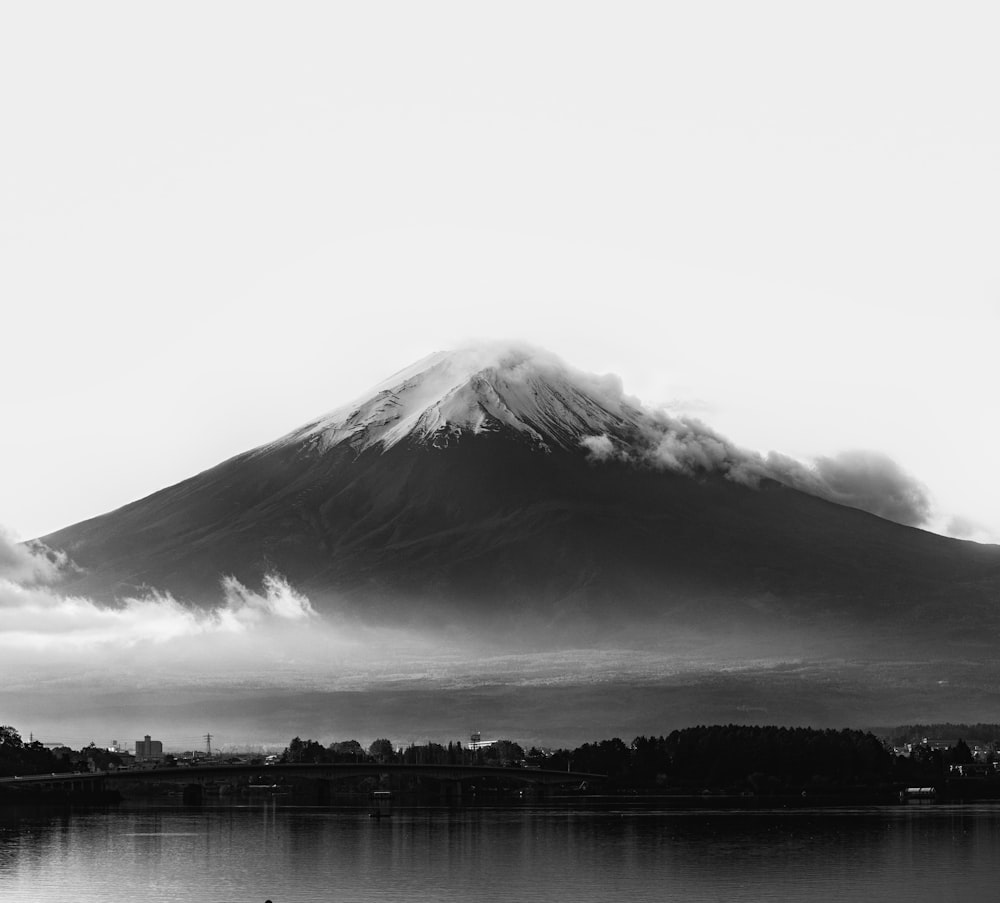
476 741
147 750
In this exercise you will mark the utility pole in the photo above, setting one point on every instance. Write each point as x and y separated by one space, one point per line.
208 744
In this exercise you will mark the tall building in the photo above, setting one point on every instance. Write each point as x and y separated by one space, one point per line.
147 750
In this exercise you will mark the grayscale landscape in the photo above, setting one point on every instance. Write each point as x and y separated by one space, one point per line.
541 449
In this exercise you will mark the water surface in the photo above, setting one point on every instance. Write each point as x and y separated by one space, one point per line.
260 850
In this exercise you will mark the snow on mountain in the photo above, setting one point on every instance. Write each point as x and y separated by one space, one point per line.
531 395
477 390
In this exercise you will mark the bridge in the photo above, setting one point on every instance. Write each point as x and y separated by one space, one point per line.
100 781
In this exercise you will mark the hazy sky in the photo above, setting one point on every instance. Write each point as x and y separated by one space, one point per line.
218 220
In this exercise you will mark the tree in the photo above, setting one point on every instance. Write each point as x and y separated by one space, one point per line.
305 751
17 757
346 751
382 750
94 758
960 754
10 739
505 752
426 754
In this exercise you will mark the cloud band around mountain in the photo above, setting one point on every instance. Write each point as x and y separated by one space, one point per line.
36 616
868 480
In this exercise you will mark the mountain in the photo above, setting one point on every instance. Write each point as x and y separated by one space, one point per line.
499 490
523 393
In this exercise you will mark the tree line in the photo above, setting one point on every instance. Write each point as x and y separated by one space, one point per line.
742 758
731 758
762 760
18 757
501 753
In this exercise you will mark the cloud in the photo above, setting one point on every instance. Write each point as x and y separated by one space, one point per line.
687 445
36 618
41 619
680 443
599 448
269 637
862 479
874 482
31 563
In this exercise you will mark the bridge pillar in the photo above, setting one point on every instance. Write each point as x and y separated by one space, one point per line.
192 794
451 791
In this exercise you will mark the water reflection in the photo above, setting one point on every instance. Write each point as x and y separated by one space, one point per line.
268 850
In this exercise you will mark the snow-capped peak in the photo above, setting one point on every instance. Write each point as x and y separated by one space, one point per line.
477 390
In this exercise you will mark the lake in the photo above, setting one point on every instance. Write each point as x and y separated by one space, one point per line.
257 850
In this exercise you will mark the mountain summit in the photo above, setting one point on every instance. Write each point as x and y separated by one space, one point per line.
525 393
500 490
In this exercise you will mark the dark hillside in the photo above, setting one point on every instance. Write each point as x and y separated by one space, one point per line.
489 526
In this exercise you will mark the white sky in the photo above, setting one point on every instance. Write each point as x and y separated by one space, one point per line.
218 220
